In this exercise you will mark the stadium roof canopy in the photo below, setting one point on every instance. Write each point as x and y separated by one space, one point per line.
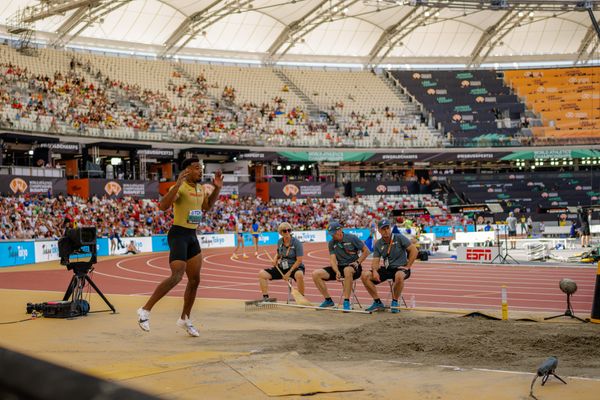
366 32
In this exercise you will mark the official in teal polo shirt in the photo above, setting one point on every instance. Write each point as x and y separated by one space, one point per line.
346 254
398 254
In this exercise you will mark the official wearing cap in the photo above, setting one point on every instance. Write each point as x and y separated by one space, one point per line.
398 255
344 250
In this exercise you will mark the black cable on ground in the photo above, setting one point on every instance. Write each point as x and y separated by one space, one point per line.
16 322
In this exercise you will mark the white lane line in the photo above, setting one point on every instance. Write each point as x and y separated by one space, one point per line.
121 267
150 261
362 297
125 278
491 295
460 290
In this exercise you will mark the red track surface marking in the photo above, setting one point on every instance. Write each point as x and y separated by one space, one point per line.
434 284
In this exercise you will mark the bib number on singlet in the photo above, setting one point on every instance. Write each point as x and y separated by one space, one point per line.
195 217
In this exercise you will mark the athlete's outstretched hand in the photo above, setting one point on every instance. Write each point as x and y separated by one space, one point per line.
183 176
218 179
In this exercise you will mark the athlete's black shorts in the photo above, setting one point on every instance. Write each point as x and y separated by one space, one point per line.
512 233
331 272
183 243
275 274
390 273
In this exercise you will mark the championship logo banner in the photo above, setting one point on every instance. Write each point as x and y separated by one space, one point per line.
16 185
301 190
123 188
112 188
245 189
379 188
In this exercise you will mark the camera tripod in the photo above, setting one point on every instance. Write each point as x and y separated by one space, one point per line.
78 281
503 258
568 312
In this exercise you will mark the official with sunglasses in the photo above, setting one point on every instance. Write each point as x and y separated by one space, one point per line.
288 261
398 255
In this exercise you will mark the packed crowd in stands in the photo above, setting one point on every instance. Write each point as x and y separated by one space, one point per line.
83 97
86 98
83 102
43 217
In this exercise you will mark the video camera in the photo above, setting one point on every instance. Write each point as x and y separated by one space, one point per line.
74 240
60 309
71 243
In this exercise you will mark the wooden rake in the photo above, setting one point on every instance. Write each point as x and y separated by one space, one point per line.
298 297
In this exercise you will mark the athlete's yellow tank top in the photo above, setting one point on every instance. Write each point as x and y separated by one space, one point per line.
189 198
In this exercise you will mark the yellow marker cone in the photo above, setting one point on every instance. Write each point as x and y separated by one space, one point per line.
504 303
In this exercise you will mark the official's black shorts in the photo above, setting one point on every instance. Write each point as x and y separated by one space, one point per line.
183 243
275 275
331 272
585 229
512 233
389 273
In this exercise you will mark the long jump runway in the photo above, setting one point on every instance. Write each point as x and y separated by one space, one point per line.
432 284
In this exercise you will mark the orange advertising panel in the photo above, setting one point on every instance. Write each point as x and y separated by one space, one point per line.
262 191
79 187
71 168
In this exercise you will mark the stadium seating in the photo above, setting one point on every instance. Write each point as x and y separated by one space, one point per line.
470 105
529 190
361 101
122 97
567 99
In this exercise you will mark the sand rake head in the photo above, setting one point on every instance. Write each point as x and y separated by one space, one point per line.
262 304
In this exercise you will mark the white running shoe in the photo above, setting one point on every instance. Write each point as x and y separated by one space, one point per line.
187 325
144 319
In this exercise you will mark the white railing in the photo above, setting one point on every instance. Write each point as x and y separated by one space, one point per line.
33 171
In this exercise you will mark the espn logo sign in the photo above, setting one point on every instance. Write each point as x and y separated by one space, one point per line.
479 254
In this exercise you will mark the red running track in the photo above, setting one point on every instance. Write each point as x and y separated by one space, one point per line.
433 284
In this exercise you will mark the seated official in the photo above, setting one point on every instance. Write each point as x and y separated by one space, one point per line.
288 261
398 255
344 249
